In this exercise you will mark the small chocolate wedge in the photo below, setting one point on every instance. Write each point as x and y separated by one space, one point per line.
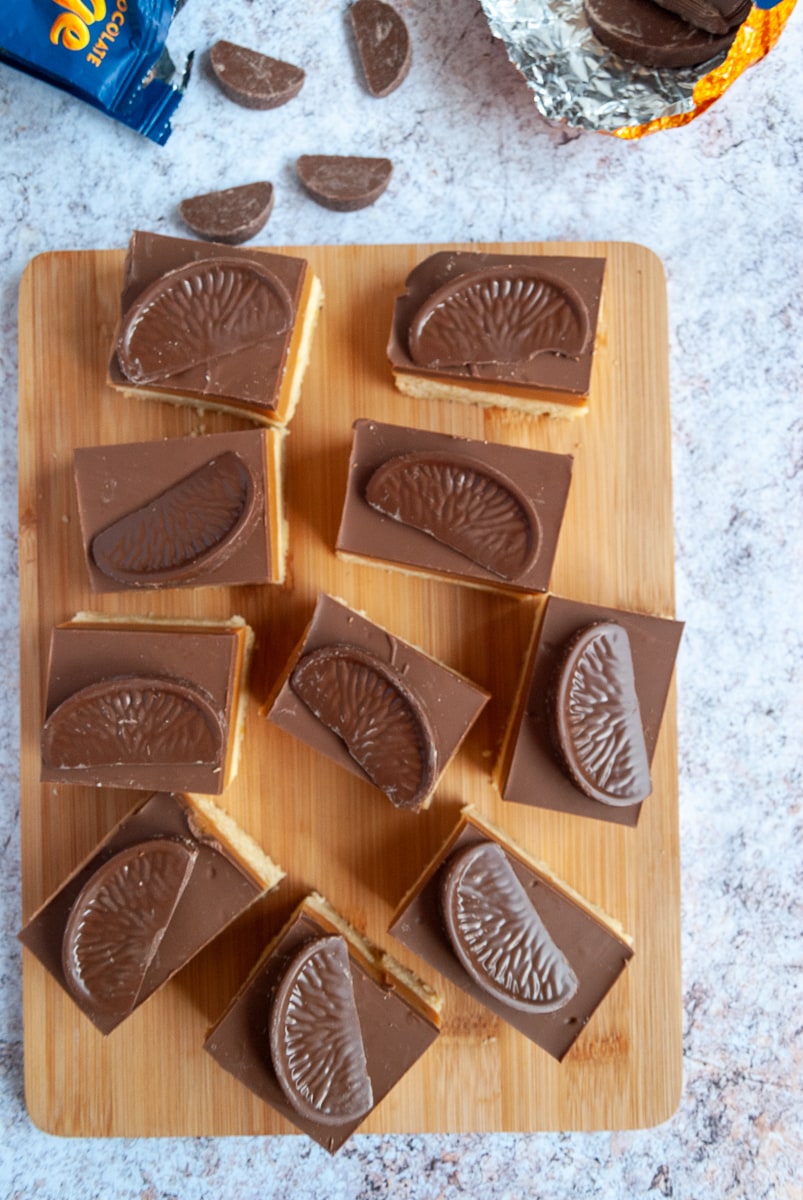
383 45
344 182
231 216
252 79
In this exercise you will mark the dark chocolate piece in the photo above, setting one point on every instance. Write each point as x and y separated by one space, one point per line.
531 770
383 45
715 16
118 922
199 313
497 934
596 949
489 514
643 32
463 504
230 216
366 703
596 717
217 889
316 1045
501 314
252 79
344 182
131 720
191 528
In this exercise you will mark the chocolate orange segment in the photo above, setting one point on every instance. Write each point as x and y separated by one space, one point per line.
253 79
463 504
316 1044
502 314
384 727
383 45
134 720
232 215
497 934
597 719
344 182
199 313
193 526
118 921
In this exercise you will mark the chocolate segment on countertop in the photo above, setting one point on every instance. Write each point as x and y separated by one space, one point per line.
455 531
442 272
643 32
715 16
597 954
597 722
536 774
383 45
231 216
217 890
394 1033
344 182
252 79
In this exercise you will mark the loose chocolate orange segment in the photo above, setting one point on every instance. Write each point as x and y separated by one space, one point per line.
383 45
191 527
118 921
252 79
232 215
199 313
316 1043
502 314
344 182
462 503
134 720
597 719
497 934
384 727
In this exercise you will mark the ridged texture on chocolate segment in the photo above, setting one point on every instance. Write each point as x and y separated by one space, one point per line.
597 719
502 314
462 503
714 16
344 182
230 216
384 727
118 921
134 720
497 934
383 44
643 32
199 313
193 526
316 1042
252 79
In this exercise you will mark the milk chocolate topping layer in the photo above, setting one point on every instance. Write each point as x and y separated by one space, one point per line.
498 935
383 725
252 79
344 182
198 313
383 45
597 718
462 503
118 921
187 529
645 33
232 215
133 720
316 1044
505 314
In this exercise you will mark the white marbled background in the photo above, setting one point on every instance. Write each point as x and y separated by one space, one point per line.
721 202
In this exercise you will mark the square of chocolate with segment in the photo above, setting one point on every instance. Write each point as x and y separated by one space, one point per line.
201 511
145 703
215 326
456 508
585 722
167 879
509 330
503 927
325 1025
374 704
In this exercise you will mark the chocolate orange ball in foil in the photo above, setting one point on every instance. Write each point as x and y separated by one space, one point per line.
578 80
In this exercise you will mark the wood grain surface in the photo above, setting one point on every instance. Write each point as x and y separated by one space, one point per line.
328 830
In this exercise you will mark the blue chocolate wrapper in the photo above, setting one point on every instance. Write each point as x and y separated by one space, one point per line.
110 53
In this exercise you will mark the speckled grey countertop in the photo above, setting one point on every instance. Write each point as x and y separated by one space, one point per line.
720 201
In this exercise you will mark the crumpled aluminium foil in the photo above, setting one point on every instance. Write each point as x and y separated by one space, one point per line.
578 81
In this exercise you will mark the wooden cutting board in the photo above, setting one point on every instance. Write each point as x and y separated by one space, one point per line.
330 831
